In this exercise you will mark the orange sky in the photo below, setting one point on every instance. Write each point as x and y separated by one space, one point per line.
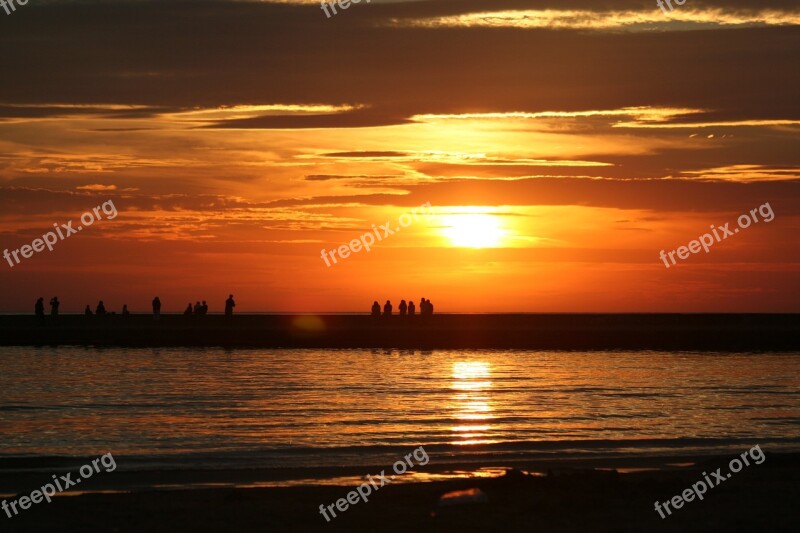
561 148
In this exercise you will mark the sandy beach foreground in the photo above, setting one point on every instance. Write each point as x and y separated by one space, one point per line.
710 332
564 498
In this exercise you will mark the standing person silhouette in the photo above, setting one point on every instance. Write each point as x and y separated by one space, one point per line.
387 309
188 311
204 308
197 309
125 311
87 311
229 305
54 303
376 309
156 308
411 308
39 309
101 309
402 308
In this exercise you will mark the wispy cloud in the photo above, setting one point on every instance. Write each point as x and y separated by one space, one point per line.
680 19
96 187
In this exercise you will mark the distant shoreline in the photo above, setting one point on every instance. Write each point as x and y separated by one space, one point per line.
697 332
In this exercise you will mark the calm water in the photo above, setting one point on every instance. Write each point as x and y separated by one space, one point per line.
215 407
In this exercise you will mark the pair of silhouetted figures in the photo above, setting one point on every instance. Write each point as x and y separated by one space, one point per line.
100 310
54 303
39 307
425 308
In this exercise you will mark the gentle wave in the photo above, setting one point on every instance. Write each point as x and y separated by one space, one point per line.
337 407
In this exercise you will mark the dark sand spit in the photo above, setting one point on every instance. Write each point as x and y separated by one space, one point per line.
759 498
706 332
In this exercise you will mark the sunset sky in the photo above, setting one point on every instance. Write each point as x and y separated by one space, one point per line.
562 144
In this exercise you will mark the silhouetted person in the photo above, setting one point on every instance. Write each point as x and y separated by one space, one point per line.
125 311
101 309
39 309
430 307
87 311
197 310
403 307
188 311
229 305
54 303
204 308
387 308
156 308
376 309
411 308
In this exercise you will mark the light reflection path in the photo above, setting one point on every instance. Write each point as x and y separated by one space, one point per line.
471 406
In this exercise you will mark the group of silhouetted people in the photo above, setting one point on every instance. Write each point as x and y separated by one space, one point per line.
199 309
100 310
404 309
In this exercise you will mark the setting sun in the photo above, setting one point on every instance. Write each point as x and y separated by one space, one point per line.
532 263
473 230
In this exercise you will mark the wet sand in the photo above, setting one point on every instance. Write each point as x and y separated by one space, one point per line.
706 332
571 498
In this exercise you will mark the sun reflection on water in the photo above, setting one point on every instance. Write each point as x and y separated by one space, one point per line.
471 404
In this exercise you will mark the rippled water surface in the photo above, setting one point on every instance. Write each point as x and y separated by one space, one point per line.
306 406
